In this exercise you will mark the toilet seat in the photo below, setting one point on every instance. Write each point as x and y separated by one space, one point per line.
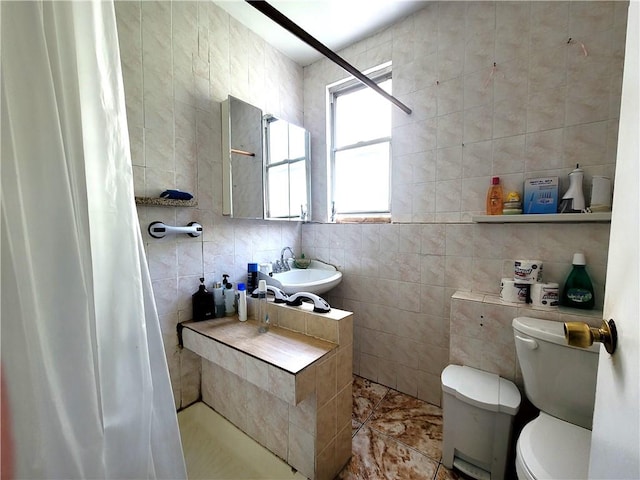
550 448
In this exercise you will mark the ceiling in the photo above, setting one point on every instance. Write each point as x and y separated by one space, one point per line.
335 23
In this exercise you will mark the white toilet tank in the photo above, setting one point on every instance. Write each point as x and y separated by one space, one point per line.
558 379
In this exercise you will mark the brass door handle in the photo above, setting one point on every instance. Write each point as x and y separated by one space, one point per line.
579 334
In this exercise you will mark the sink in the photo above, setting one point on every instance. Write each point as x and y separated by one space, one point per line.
318 278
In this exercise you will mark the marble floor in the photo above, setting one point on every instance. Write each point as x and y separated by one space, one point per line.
395 436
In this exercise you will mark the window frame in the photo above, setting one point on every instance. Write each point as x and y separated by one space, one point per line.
349 85
302 215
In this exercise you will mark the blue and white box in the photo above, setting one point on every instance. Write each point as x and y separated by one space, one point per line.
541 195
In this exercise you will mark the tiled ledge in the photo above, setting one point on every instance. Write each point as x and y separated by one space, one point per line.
564 314
288 350
275 361
481 334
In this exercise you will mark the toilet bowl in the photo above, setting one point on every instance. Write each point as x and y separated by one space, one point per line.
559 380
551 448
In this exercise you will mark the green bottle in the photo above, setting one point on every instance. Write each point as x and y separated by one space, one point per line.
578 289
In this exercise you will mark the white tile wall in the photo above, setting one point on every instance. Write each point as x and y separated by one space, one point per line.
180 59
545 107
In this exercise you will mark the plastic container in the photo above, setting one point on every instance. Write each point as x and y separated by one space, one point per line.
495 197
203 305
478 409
263 313
218 298
252 276
229 300
578 289
242 302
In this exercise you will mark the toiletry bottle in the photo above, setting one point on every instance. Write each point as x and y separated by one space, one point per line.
202 301
573 200
495 197
578 289
229 300
242 302
252 276
218 298
263 314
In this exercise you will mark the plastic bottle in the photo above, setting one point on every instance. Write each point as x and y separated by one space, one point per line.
263 314
252 276
218 298
202 302
242 302
495 197
573 199
229 300
578 289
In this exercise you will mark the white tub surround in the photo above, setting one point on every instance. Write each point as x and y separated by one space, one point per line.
289 388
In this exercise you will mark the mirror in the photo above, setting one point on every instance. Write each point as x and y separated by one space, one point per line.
242 162
287 155
265 165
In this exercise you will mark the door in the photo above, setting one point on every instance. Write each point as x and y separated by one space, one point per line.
615 443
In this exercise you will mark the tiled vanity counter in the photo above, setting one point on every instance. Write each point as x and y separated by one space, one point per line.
289 388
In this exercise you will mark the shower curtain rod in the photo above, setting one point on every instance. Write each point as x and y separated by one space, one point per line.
303 35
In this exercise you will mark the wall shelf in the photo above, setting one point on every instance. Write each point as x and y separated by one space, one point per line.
545 218
165 202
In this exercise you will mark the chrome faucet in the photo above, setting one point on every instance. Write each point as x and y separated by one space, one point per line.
285 265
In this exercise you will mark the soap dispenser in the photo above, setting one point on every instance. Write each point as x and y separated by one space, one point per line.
573 199
229 298
203 306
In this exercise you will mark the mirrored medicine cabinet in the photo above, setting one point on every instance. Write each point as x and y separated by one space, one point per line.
265 165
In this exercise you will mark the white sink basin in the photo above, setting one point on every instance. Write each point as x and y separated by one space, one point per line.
317 278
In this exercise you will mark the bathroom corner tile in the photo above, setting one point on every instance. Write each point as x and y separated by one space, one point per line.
326 424
233 361
282 384
326 379
305 383
407 380
429 388
345 330
499 359
301 451
344 359
303 415
322 327
326 462
291 320
465 351
344 409
190 365
257 372
343 447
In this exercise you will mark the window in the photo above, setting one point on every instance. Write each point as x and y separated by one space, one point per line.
287 148
360 148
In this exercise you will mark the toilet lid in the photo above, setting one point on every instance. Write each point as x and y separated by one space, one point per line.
552 448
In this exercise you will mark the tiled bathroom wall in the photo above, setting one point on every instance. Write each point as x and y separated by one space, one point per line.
180 60
512 89
544 107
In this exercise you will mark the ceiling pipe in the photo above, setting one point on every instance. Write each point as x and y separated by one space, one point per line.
291 27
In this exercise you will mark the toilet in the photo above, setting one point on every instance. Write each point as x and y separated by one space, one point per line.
560 381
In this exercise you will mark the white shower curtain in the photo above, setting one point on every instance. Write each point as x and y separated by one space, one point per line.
83 363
